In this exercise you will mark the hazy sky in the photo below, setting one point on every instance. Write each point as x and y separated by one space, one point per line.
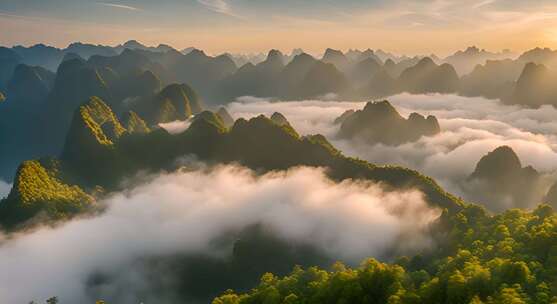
402 26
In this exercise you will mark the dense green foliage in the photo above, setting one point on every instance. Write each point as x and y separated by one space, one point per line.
506 258
41 186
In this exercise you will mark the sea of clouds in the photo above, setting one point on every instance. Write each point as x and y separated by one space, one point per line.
471 127
186 211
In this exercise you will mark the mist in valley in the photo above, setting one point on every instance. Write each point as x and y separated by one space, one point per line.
470 128
201 211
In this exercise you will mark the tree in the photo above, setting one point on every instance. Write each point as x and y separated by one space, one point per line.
53 300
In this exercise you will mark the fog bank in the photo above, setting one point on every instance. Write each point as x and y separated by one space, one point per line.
185 212
471 127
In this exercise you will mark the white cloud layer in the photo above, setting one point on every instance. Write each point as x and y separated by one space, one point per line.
186 211
471 127
176 127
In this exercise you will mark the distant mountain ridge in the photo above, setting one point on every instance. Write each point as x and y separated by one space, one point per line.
369 73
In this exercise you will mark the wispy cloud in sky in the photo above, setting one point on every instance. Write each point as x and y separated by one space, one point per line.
482 4
218 6
121 6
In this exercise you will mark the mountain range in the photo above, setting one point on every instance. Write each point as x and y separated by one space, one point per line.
355 74
97 139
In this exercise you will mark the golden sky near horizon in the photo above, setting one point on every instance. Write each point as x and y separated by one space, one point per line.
400 26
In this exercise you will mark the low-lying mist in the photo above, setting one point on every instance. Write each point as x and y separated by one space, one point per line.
471 127
188 211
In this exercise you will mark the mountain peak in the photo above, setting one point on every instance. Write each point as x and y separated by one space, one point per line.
384 107
197 52
274 53
500 161
426 62
279 119
93 131
472 50
133 44
332 52
303 57
380 122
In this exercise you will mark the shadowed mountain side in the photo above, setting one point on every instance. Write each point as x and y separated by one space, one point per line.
428 77
381 84
129 63
41 55
8 61
465 61
100 153
379 122
38 111
500 182
364 71
199 70
545 56
494 79
322 79
22 118
172 103
395 69
338 59
29 87
534 87
255 80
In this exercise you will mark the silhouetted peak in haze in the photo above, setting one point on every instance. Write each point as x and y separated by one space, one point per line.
133 44
380 122
500 181
499 162
428 77
71 55
30 85
535 86
197 53
343 116
337 58
539 55
275 56
369 54
322 79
